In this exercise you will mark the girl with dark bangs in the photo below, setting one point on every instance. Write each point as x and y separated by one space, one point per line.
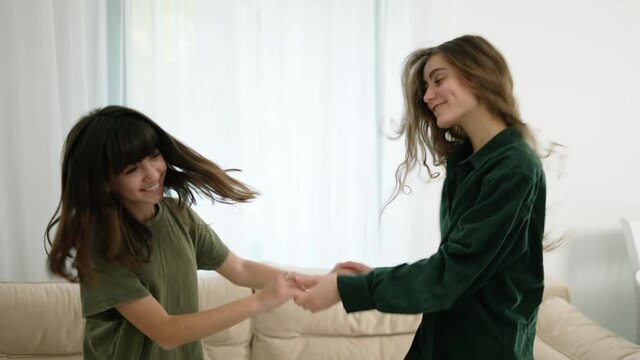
480 292
136 252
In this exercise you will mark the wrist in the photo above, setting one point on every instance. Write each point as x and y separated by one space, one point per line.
256 304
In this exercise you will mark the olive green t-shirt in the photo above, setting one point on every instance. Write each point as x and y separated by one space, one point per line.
480 292
182 244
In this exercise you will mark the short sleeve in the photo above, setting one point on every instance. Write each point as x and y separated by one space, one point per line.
112 285
211 252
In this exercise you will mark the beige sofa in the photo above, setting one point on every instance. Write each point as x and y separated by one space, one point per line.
43 321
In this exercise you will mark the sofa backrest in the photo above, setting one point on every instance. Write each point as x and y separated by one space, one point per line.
290 332
234 342
44 320
40 319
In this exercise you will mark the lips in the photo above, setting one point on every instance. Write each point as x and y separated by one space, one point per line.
436 107
152 188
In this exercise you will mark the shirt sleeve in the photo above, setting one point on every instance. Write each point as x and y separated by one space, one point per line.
112 285
211 252
484 239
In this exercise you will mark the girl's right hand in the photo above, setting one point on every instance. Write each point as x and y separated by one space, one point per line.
277 291
351 268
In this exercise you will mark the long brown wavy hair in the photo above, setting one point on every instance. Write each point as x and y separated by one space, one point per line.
480 67
88 215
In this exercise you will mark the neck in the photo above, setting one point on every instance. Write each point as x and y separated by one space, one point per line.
144 214
482 127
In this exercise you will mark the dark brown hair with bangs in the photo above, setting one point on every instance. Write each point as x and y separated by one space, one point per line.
90 218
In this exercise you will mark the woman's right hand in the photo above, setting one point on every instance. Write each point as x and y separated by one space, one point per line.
351 268
277 291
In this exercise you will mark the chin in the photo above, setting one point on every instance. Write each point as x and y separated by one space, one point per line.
444 125
447 123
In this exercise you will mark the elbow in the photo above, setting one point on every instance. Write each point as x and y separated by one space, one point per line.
165 341
167 345
165 336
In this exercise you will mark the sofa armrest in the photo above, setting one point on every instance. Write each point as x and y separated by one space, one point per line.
564 328
555 288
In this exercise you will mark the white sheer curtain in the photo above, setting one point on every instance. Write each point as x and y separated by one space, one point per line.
52 69
297 94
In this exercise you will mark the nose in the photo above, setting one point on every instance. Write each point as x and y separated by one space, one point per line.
150 171
428 95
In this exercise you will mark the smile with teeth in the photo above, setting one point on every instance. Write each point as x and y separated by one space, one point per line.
435 108
152 188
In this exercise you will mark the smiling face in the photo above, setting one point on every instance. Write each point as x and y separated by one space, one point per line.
450 100
140 186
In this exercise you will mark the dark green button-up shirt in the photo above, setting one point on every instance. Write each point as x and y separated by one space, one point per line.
480 292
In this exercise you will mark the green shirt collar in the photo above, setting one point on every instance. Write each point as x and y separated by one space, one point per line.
491 148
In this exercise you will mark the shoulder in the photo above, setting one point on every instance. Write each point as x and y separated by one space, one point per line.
181 212
177 210
170 202
518 158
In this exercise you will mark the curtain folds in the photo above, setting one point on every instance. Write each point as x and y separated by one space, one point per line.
300 95
295 94
52 70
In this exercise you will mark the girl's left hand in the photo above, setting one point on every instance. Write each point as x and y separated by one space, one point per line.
321 292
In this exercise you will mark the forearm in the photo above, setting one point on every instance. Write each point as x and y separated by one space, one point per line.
247 273
256 275
427 285
178 330
405 288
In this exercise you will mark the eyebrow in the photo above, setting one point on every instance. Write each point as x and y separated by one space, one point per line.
432 72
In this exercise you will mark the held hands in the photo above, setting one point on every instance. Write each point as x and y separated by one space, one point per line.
277 292
313 293
321 291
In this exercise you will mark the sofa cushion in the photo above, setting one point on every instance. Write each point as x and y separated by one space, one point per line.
45 322
290 332
234 342
564 328
41 319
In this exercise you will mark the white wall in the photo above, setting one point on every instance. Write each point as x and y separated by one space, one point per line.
575 66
